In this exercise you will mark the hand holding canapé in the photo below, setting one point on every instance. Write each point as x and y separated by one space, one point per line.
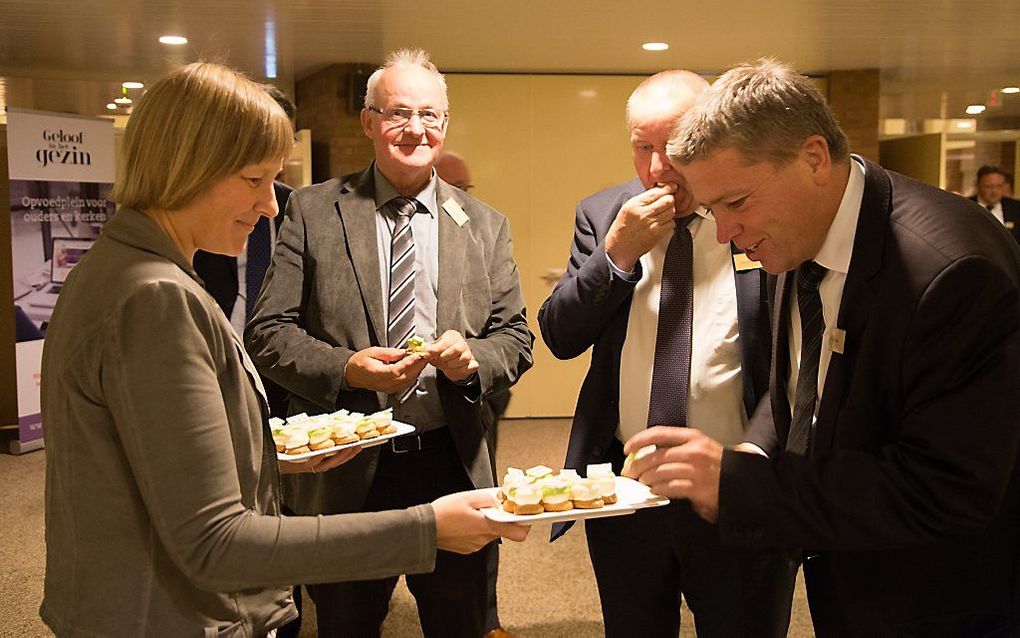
451 355
643 221
684 464
387 370
462 529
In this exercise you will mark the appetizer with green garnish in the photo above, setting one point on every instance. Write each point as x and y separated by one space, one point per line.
415 345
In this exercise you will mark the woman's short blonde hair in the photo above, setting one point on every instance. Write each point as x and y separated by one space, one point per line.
192 128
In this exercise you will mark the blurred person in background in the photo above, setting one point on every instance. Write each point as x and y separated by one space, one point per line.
991 193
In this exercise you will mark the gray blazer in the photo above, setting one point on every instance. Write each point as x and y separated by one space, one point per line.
322 301
161 496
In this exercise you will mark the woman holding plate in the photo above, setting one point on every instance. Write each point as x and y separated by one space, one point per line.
162 504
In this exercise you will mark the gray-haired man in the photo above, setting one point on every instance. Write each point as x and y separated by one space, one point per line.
363 263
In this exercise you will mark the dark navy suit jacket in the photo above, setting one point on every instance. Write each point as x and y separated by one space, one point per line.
909 500
589 308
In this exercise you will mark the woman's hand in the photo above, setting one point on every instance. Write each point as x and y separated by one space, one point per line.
462 529
320 464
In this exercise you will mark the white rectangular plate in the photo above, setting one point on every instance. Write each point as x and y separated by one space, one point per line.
402 429
630 497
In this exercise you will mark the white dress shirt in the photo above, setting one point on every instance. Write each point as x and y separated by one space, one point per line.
716 392
835 254
995 210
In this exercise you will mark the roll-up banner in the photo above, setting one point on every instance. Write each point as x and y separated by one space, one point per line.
61 171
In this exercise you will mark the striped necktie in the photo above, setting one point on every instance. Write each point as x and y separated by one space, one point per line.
812 326
401 325
671 367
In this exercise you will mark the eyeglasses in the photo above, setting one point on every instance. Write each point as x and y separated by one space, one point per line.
399 116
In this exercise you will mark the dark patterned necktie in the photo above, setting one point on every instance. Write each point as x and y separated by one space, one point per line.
812 326
671 370
400 326
260 252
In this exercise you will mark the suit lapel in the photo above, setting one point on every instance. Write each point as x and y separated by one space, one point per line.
356 207
453 244
858 299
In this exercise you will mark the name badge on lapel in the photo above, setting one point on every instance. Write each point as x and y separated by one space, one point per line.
742 262
837 340
454 210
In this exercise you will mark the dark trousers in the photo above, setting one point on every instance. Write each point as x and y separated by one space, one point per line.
645 562
451 600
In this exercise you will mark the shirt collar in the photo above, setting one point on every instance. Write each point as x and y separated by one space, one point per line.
986 204
838 247
384 192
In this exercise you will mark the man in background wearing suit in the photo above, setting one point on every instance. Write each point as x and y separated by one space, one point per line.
363 263
892 452
235 282
452 169
991 193
646 281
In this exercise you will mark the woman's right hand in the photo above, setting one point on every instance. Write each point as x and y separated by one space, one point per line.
462 529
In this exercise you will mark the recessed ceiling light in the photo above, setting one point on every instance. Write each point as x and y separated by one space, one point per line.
1011 89
133 85
654 46
123 100
975 109
173 39
111 106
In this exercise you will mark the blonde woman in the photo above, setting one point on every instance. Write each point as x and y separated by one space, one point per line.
162 504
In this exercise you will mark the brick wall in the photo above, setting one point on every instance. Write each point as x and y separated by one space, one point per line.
853 97
328 105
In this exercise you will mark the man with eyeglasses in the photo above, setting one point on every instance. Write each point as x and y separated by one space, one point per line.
680 329
363 264
892 451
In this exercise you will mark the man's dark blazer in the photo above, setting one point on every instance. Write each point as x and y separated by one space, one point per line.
1010 215
589 308
322 302
219 274
907 504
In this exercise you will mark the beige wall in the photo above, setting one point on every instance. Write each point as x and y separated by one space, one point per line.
922 157
536 145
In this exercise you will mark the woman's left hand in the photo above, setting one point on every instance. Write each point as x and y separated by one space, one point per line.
320 464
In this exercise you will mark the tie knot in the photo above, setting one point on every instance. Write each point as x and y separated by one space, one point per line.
809 275
681 223
991 207
404 206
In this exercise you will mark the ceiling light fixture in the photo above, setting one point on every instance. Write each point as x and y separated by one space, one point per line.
111 106
173 39
654 46
975 109
133 85
1011 89
123 100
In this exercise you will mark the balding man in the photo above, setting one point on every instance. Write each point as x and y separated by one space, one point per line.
648 282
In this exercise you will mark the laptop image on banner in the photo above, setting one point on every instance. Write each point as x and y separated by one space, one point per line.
67 252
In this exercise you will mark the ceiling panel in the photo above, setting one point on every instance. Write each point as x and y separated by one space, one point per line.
935 56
